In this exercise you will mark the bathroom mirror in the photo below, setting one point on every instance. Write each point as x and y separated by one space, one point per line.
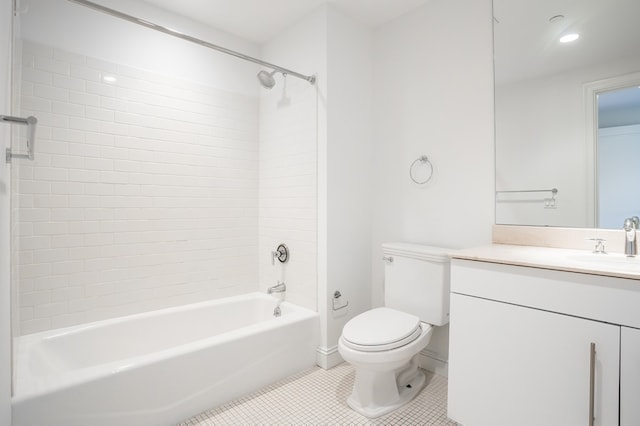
547 97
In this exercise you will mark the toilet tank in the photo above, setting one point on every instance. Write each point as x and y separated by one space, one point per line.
416 281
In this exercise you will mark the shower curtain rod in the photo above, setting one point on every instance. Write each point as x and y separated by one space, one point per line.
310 78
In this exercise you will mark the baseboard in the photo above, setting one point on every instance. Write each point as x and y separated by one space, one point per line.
431 361
328 357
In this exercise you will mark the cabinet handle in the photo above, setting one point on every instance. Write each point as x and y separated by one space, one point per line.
592 383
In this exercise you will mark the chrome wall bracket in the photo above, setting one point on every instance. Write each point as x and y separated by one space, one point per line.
31 123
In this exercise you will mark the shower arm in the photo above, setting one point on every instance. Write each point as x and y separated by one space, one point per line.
310 78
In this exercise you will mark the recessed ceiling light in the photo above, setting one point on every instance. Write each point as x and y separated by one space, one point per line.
568 38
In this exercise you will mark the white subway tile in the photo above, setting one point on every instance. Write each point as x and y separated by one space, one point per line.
99 289
67 214
84 175
101 89
98 189
36 104
99 114
51 282
50 310
67 135
34 270
72 83
67 162
114 153
79 97
84 124
64 241
51 65
35 242
114 104
67 267
37 76
27 88
67 109
35 298
84 73
98 239
50 92
98 164
84 201
99 214
114 128
83 150
100 139
34 215
117 177
67 188
53 120
85 227
34 187
51 228
50 174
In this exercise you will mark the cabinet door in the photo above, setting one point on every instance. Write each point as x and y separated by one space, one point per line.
510 365
630 377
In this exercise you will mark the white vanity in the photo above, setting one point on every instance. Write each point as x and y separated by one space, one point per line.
544 336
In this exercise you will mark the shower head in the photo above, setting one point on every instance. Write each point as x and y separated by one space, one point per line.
266 79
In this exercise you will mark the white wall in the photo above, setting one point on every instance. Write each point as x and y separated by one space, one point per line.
349 171
338 50
288 164
541 133
5 287
433 96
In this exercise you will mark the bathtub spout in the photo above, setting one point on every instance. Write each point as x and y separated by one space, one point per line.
278 288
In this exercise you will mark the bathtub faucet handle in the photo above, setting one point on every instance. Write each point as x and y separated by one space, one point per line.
281 253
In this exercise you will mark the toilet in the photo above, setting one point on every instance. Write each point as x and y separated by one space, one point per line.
383 343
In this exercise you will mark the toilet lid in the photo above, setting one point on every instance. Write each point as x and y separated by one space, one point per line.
381 329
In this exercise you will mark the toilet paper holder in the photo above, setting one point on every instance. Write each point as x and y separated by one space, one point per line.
336 302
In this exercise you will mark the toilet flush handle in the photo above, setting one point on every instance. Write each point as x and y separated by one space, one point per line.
388 259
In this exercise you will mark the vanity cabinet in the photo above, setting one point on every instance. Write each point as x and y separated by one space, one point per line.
630 377
526 343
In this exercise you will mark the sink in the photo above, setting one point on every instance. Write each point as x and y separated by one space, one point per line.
611 260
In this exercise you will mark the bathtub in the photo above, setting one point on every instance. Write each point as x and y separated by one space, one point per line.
160 367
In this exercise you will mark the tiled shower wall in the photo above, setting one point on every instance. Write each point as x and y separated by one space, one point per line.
288 188
143 194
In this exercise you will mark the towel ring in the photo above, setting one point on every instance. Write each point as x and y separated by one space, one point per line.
424 160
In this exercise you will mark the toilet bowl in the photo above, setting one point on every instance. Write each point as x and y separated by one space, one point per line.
383 345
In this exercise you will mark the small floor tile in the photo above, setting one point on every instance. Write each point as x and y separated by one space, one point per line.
318 397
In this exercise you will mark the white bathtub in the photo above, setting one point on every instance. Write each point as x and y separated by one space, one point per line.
161 367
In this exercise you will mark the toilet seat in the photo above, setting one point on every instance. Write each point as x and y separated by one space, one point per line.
381 329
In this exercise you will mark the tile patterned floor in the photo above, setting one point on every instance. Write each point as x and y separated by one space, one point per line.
318 397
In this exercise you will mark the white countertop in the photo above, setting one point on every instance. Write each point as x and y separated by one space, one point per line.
581 261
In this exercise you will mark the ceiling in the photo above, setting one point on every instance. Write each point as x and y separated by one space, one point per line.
526 38
259 20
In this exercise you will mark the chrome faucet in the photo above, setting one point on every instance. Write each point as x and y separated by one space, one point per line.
630 244
278 288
